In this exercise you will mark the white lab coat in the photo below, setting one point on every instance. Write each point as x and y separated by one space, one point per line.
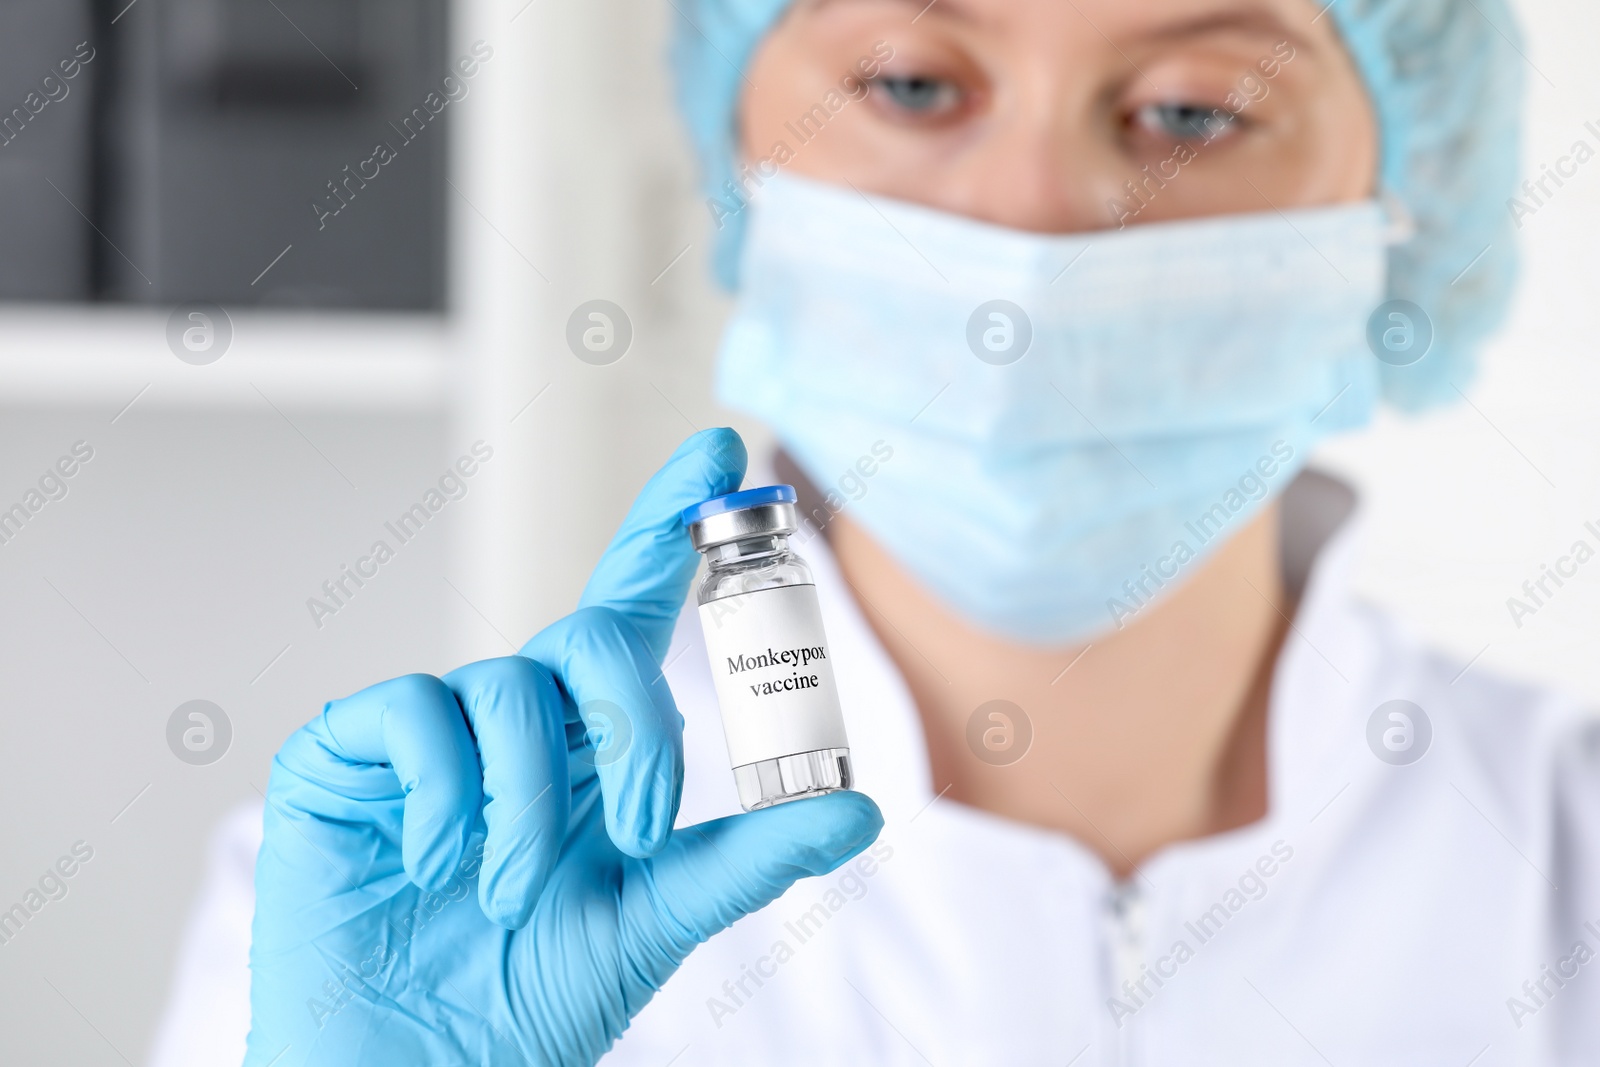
1442 912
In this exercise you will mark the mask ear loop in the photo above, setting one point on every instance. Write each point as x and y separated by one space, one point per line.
1400 226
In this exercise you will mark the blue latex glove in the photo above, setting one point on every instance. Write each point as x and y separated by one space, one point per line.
384 813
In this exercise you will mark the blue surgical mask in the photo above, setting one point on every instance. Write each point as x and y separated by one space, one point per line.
1076 422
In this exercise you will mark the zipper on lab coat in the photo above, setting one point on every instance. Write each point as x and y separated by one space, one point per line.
1125 935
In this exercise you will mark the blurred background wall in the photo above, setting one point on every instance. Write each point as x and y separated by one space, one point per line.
240 460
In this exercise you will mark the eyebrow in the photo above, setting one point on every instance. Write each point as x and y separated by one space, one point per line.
1259 21
950 8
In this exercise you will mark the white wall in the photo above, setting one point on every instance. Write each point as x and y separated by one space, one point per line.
186 549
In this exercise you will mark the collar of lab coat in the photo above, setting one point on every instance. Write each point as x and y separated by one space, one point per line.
1318 691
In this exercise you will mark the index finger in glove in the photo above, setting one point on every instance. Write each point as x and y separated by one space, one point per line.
645 572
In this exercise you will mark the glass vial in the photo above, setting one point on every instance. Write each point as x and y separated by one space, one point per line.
769 656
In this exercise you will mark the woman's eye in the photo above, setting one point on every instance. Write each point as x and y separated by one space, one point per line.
922 96
1184 122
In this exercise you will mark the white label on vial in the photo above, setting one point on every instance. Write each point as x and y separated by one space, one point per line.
774 678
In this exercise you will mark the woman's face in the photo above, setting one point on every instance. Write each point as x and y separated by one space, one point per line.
1065 115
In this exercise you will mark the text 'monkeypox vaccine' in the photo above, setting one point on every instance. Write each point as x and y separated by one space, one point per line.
769 656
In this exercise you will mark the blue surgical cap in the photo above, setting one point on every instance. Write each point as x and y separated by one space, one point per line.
1445 80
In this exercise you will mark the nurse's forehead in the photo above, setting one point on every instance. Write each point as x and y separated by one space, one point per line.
1146 19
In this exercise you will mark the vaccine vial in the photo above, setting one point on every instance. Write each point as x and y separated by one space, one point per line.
769 657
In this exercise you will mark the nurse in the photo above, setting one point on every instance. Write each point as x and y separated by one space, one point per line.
1047 304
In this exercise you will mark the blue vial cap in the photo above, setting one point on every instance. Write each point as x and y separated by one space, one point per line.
747 498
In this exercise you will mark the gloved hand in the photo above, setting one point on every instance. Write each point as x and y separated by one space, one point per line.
383 812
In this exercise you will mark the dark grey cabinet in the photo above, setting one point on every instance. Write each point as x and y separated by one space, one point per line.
235 151
49 68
